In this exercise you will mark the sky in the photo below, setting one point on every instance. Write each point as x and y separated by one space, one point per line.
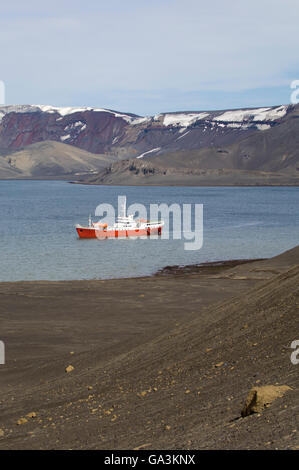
149 56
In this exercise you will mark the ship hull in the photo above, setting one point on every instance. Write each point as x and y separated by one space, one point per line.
86 232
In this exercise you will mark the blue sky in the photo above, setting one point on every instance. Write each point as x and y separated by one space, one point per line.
149 56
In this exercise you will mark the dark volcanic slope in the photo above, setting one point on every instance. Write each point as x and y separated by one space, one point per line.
272 150
140 381
265 157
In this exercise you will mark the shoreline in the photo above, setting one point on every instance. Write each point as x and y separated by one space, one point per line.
202 185
184 184
208 265
169 270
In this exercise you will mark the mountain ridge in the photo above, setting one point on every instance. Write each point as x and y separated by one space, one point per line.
248 139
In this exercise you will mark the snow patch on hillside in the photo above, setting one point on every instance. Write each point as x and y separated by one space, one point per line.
263 127
62 111
149 151
180 120
235 125
259 114
69 110
65 137
140 120
75 125
181 136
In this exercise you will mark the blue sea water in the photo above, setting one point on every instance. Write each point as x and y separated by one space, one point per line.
38 240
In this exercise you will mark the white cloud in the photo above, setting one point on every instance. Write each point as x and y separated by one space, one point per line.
97 46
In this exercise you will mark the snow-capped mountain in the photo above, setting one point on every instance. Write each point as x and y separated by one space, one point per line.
242 139
127 135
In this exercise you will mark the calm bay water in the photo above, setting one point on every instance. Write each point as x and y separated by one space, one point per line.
39 241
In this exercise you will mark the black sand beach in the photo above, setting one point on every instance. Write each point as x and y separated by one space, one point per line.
162 362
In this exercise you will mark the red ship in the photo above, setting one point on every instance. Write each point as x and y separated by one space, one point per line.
125 226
